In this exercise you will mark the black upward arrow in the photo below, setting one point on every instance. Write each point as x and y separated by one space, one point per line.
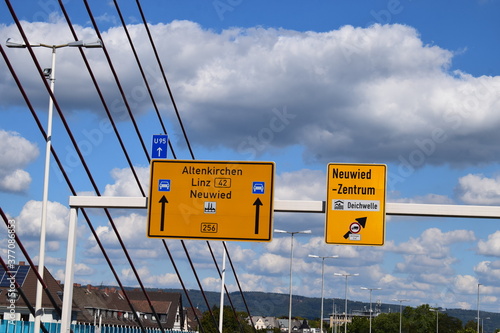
257 205
163 201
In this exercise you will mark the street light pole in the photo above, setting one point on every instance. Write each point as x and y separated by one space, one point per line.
322 283
371 289
400 310
51 76
437 317
292 233
345 314
478 285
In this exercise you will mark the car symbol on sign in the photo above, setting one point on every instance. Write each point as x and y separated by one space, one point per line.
258 187
164 185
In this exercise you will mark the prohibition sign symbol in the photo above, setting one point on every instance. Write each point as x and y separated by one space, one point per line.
355 227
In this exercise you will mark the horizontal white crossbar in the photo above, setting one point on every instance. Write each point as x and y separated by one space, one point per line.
302 206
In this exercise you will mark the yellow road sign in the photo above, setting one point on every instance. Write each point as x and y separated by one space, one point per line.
222 200
355 204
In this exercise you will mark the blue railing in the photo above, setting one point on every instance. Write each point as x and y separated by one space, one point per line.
8 326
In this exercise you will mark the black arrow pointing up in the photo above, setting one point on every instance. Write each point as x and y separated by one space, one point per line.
163 201
257 205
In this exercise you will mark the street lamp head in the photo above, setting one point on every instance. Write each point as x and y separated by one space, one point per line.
20 45
292 232
80 43
345 274
95 44
47 72
77 43
322 257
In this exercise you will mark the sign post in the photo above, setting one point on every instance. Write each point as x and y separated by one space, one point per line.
222 200
355 204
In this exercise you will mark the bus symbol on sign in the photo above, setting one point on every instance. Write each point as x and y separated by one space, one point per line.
164 185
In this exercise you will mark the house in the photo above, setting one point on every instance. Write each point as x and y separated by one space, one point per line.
13 307
260 322
91 305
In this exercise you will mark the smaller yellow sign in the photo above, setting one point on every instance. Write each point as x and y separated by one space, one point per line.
355 204
222 200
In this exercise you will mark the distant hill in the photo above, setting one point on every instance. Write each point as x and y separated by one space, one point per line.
276 305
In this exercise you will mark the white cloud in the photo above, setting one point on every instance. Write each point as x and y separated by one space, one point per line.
466 284
20 153
125 183
301 185
432 242
477 189
149 279
29 220
488 271
491 246
429 198
322 91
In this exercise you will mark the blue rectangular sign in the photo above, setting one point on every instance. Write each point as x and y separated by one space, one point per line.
159 147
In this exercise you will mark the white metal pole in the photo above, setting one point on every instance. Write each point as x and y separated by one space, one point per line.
322 287
478 285
437 320
400 314
371 310
43 223
290 305
345 329
221 313
68 276
334 316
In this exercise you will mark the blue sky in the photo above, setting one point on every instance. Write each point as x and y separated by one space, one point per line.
411 84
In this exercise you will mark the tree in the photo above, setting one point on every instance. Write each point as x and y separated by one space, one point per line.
471 324
230 322
359 325
386 323
449 324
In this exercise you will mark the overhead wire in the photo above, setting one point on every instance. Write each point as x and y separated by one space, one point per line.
68 181
33 267
143 74
153 45
96 28
135 125
159 117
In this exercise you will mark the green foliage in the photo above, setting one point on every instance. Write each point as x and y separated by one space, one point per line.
386 323
231 322
359 325
467 330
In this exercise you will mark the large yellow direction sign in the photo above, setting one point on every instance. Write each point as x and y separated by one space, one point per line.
211 200
355 204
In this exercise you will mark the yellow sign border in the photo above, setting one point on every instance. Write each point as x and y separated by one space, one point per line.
267 198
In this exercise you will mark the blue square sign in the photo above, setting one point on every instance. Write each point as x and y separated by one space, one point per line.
164 185
258 187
